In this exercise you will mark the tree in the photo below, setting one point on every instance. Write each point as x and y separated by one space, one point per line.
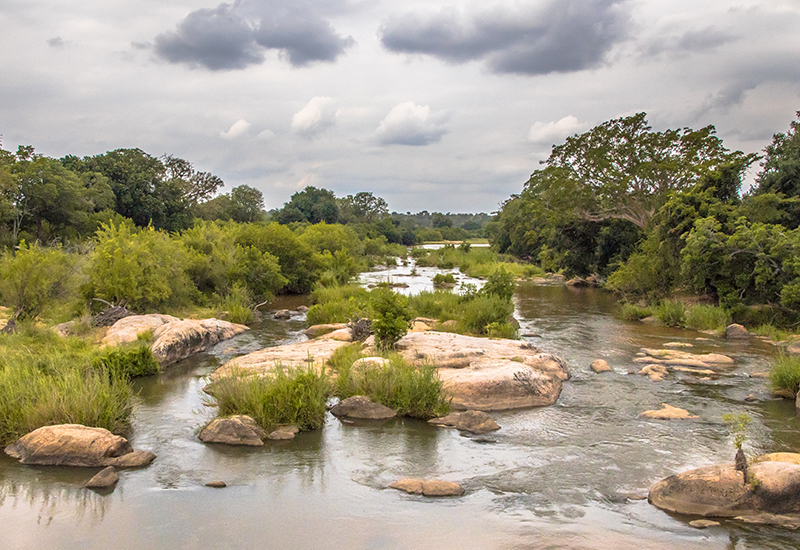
247 204
311 205
440 220
363 207
780 173
622 169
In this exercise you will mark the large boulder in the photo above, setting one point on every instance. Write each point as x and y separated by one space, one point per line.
484 374
180 339
721 491
76 445
128 329
312 353
233 430
362 407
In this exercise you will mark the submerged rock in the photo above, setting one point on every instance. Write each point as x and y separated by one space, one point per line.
181 339
655 372
488 374
283 433
282 314
600 365
233 430
469 421
362 407
428 487
216 484
673 357
721 491
105 478
668 412
73 445
703 523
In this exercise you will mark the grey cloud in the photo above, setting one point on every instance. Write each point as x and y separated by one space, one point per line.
56 42
561 36
704 40
230 37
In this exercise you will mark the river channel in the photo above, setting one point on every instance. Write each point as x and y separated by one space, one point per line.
567 476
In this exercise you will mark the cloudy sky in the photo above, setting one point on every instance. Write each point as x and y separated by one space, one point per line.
445 106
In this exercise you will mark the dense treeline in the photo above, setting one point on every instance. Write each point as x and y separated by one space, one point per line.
663 212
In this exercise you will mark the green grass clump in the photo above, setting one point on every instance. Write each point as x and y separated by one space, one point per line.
773 333
294 395
444 279
237 304
704 317
672 313
46 380
483 312
337 304
784 373
409 390
631 312
128 361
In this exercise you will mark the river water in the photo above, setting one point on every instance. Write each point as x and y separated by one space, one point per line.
566 476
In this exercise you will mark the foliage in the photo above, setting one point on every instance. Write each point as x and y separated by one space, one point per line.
738 427
672 313
295 396
33 278
309 205
411 391
705 317
631 312
784 373
780 174
338 304
444 278
238 305
390 316
500 284
484 314
127 362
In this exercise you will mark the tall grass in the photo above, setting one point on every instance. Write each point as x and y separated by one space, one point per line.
294 395
338 304
128 361
784 373
409 390
632 312
704 317
47 380
672 313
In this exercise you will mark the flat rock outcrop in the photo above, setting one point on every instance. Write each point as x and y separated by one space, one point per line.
429 487
362 407
315 331
671 357
312 353
128 329
76 445
469 421
233 430
486 374
668 412
773 488
181 339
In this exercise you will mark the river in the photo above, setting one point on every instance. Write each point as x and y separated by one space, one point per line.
567 476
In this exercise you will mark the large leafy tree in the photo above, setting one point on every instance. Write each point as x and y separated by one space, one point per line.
310 205
622 169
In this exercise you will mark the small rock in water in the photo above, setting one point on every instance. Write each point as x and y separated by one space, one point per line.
469 421
736 331
678 345
429 487
599 365
750 398
105 478
703 523
784 393
282 314
668 412
360 406
302 309
759 375
655 372
217 484
233 430
280 435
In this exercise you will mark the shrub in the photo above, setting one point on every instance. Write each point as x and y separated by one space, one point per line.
478 314
672 313
631 312
500 284
128 361
444 278
295 396
784 373
390 318
704 317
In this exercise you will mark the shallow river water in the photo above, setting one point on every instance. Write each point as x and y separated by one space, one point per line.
566 476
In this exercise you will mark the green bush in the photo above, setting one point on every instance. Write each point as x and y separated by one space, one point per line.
705 317
444 278
631 312
390 316
479 313
238 305
128 361
784 373
295 396
500 284
672 313
409 390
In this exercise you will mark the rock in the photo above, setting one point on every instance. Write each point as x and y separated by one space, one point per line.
704 372
703 523
791 458
70 445
678 345
593 280
428 487
759 375
469 421
233 430
736 331
720 491
484 374
360 406
217 484
110 315
136 459
555 276
312 353
578 282
66 329
600 365
280 435
794 347
668 412
649 320
685 359
540 281
751 398
302 309
129 328
105 478
342 335
655 372
421 324
283 314
181 339
318 330
784 393
511 320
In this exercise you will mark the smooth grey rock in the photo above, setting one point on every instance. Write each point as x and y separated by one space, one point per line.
217 484
234 430
69 445
360 406
736 331
469 421
105 478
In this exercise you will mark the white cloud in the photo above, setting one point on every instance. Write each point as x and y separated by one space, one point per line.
240 128
410 124
266 135
315 117
551 132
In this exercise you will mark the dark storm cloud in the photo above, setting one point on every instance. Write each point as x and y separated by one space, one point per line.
560 36
223 39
